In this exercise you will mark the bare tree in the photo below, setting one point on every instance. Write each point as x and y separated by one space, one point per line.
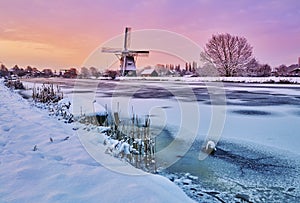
251 68
84 72
228 53
255 69
3 70
264 70
282 70
93 71
47 72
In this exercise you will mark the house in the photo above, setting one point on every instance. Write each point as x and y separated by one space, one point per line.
170 73
151 72
295 72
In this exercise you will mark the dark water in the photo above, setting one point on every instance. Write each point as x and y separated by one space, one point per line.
260 173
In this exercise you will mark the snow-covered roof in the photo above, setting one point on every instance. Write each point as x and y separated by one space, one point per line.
148 71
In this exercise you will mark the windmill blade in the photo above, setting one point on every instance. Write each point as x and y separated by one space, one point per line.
111 50
139 53
127 38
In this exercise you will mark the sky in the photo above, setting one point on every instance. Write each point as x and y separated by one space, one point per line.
63 33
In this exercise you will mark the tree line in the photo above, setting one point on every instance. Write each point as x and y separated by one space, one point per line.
34 72
223 55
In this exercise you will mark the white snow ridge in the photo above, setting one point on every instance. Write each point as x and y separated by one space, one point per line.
42 160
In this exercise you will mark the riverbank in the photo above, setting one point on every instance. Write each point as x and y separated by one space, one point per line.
254 157
266 80
43 160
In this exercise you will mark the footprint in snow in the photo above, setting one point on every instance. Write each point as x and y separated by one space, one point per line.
6 128
57 158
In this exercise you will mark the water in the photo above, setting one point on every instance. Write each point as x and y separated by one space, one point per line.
257 154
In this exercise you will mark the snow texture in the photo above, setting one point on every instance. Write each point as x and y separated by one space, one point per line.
257 158
43 160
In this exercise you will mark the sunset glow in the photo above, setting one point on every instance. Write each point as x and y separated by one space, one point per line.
61 34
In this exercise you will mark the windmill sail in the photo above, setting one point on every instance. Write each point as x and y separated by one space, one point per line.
139 53
111 50
127 57
127 38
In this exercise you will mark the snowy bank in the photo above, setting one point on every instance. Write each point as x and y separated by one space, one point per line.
189 78
43 160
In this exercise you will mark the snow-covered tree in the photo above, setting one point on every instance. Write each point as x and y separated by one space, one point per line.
228 53
207 70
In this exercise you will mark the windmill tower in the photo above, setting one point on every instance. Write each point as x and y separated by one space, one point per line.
126 56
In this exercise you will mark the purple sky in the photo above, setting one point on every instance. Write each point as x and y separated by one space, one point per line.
62 33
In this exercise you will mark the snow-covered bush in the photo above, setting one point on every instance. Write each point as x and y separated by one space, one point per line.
61 109
14 84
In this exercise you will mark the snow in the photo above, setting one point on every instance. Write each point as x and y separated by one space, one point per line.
147 71
99 109
62 170
65 101
276 130
268 135
94 109
188 78
271 130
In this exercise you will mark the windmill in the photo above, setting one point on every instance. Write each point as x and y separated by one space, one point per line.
126 56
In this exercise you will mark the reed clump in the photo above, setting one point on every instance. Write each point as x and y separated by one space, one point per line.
47 93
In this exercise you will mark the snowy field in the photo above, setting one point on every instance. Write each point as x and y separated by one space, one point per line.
257 155
34 169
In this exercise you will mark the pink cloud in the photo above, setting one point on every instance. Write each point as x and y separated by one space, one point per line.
76 24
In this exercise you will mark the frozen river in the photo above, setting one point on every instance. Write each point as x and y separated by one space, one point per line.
256 126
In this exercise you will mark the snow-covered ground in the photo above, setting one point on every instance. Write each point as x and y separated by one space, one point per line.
188 78
35 169
258 153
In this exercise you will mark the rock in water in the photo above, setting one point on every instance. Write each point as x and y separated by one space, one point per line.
210 147
243 197
187 181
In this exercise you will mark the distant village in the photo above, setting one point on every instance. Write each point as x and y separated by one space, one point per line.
159 70
224 55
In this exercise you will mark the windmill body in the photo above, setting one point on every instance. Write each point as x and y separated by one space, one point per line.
126 56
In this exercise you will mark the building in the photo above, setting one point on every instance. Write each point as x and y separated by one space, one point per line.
151 72
295 72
